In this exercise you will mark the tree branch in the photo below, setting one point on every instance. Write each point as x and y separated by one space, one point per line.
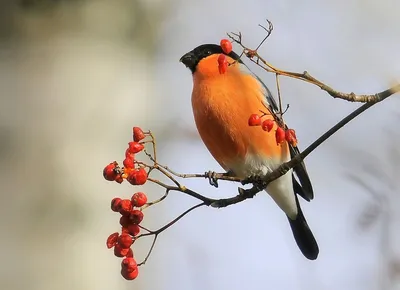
262 182
253 55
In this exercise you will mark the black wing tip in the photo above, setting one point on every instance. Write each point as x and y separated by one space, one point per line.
303 187
299 190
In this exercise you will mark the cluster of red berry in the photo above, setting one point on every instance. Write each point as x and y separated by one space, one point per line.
136 175
226 46
130 209
130 219
281 134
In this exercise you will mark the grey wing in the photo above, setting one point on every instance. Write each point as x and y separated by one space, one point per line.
301 181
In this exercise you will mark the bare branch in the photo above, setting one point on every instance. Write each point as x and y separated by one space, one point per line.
254 56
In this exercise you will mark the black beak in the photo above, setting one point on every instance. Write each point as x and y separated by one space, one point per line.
189 60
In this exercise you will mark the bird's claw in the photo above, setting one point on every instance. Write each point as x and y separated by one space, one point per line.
256 180
212 179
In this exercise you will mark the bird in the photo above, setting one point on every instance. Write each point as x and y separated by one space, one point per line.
222 104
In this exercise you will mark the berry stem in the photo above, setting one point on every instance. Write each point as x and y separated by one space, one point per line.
146 229
279 93
150 251
160 230
148 204
153 141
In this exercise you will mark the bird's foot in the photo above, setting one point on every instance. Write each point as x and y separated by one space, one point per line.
212 177
251 179
256 180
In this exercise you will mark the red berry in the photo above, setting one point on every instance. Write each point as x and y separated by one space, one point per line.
290 136
254 120
129 254
128 154
267 125
126 207
279 135
124 221
139 199
130 275
119 179
128 264
141 177
135 147
138 134
137 177
116 204
112 240
131 177
136 216
222 63
133 230
109 172
125 241
226 46
129 162
120 251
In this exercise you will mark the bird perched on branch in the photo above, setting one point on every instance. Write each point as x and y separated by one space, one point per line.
222 102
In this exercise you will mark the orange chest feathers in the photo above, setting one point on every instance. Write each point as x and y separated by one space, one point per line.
221 108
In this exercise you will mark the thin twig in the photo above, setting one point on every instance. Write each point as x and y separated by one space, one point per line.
150 251
278 87
254 56
268 31
160 230
153 141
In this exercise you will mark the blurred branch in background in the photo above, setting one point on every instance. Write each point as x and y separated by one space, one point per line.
377 175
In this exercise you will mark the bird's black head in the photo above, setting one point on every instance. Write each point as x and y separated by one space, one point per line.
192 58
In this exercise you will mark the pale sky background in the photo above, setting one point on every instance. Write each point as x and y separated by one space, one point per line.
76 77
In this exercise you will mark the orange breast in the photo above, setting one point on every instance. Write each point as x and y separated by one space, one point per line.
222 105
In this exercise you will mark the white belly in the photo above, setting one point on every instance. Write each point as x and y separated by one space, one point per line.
281 189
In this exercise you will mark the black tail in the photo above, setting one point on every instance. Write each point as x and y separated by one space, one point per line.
303 235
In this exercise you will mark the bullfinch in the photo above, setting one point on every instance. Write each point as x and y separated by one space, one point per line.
222 104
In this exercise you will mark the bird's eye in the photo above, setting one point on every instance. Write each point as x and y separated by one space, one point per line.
208 52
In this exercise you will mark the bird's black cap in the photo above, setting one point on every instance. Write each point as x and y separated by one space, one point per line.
192 58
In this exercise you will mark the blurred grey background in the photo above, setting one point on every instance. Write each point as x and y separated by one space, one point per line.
76 75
